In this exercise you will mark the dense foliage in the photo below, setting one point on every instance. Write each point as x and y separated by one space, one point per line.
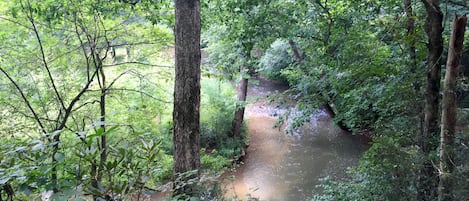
86 94
86 90
361 61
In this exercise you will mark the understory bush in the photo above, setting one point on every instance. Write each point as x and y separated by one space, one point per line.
139 149
218 104
275 59
386 167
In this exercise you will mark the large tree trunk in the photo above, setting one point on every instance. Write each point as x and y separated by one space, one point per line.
448 116
427 179
241 90
186 115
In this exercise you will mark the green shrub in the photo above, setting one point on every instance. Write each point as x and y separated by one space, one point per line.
213 161
216 113
385 172
276 58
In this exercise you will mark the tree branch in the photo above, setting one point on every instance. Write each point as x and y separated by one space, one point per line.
138 63
118 77
43 55
26 101
15 22
82 45
18 110
136 91
69 108
84 104
41 99
136 43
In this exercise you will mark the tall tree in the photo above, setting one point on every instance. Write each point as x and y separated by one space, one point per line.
448 116
186 115
428 142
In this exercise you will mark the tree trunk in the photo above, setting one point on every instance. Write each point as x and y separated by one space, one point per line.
330 111
448 116
296 51
186 115
241 90
427 179
410 26
102 108
414 67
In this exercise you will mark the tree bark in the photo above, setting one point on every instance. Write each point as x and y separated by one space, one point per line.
186 115
241 90
448 116
102 108
427 178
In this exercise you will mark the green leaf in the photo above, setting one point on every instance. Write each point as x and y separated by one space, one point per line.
38 146
99 132
4 180
111 129
59 156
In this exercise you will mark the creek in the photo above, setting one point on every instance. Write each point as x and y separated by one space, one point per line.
287 167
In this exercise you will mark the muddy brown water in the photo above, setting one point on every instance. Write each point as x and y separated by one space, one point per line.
287 167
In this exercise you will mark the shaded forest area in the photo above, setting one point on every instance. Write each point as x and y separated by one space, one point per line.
110 100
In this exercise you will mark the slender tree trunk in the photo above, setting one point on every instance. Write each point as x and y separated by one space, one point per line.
296 51
427 179
102 108
94 176
330 111
241 90
448 116
414 74
414 71
410 26
186 115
